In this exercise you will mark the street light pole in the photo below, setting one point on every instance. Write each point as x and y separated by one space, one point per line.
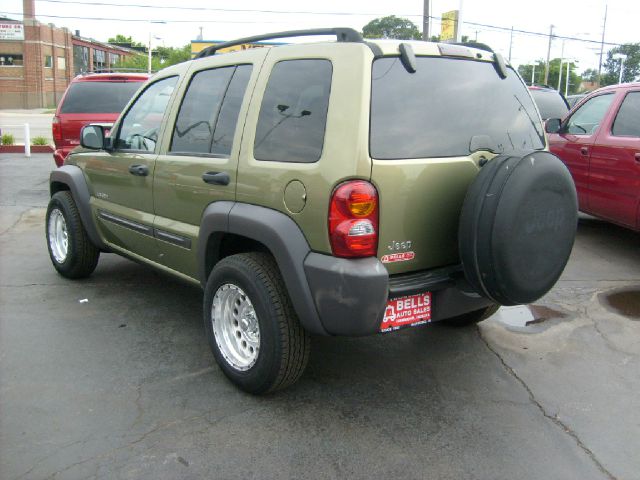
622 57
149 53
149 49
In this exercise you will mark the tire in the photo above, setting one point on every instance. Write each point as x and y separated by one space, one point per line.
246 294
71 252
471 318
517 227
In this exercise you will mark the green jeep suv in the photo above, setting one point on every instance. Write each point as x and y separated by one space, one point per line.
346 187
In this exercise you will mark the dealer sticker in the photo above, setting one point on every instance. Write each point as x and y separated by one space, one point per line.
398 257
407 311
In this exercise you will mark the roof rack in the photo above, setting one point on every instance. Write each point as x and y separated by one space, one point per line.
342 35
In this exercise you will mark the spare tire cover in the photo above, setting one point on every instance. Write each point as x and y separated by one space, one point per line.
517 226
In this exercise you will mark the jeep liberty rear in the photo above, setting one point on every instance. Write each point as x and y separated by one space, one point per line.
337 188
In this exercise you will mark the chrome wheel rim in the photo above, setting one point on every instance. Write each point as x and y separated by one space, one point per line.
58 236
235 326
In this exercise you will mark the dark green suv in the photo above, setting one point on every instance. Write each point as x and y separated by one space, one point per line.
338 188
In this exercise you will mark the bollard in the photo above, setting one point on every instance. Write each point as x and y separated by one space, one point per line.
27 141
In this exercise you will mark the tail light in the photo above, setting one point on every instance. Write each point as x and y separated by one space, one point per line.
353 220
56 130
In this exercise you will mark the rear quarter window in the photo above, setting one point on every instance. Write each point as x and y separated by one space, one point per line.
98 97
293 114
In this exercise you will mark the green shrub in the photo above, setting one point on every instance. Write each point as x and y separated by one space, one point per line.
8 139
39 141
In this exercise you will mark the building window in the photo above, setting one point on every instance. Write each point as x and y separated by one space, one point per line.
10 60
48 61
80 59
62 63
114 59
99 60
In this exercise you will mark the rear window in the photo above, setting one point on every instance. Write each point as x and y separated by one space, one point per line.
550 103
98 97
446 108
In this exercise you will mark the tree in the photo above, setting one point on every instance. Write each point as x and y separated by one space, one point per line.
391 27
631 69
590 75
525 72
162 57
124 40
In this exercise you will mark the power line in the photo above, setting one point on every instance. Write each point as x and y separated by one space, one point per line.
476 24
111 19
213 9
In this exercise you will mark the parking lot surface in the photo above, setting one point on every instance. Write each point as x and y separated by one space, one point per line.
111 377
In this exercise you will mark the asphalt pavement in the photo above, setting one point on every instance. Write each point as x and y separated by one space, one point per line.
111 377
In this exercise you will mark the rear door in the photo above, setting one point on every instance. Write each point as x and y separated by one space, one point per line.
615 163
574 142
429 131
198 162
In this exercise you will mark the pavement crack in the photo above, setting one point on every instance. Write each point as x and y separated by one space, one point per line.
14 224
554 418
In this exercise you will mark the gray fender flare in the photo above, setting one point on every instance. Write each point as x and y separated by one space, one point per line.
280 234
72 177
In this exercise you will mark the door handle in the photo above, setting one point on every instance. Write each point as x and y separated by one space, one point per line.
139 170
216 178
584 151
638 157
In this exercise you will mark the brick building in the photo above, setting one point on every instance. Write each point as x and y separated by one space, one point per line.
37 61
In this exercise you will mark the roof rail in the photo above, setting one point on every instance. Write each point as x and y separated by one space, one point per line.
342 35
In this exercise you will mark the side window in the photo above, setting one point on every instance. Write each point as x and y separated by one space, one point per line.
140 126
587 118
293 114
209 112
627 122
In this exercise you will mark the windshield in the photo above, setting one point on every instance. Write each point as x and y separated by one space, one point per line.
449 107
98 97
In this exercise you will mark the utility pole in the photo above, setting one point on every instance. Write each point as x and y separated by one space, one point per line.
546 66
426 18
604 26
510 42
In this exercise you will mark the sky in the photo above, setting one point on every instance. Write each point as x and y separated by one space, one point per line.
489 21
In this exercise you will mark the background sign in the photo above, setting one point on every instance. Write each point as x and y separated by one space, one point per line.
11 31
449 26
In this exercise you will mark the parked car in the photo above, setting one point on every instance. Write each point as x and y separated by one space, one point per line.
90 98
336 188
600 144
573 99
550 102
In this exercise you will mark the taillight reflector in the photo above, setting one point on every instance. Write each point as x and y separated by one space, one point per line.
56 130
353 220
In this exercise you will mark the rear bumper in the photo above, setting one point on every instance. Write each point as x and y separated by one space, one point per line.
351 295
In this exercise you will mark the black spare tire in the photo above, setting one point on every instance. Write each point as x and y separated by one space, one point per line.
517 227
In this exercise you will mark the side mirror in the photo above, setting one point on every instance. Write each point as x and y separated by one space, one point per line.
552 125
92 137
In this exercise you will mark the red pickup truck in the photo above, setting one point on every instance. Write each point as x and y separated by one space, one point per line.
90 98
599 141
